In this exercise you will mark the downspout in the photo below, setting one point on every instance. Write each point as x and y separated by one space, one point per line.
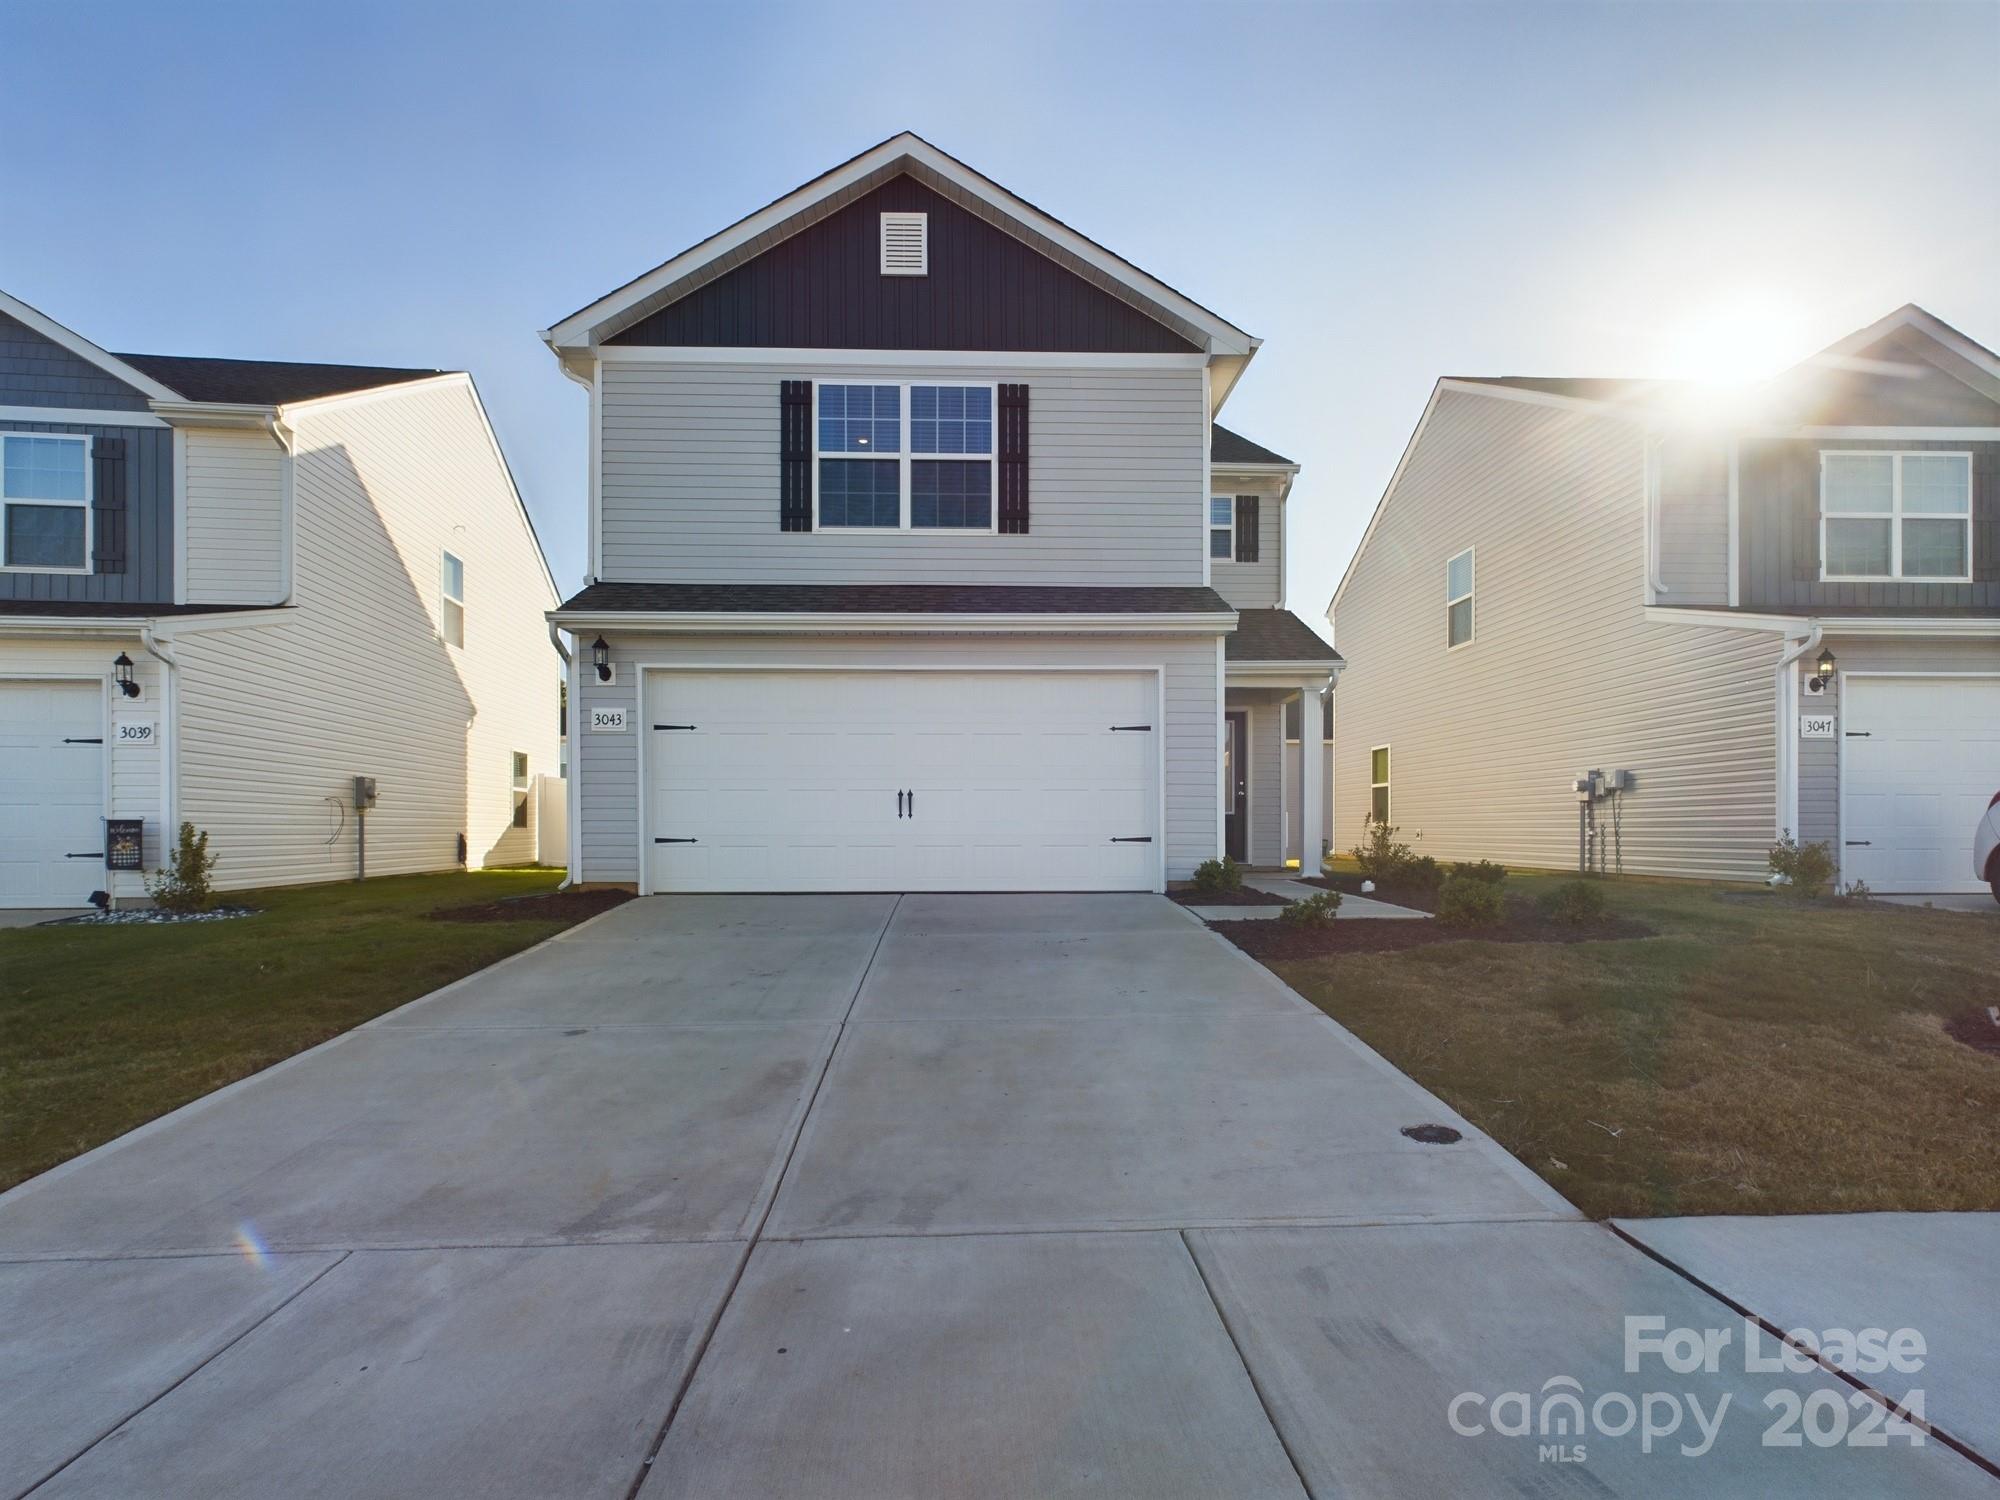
571 785
170 779
1654 584
285 438
1785 695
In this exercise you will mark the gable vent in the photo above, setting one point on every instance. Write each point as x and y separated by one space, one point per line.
906 244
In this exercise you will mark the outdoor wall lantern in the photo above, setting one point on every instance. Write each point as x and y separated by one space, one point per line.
122 665
1823 668
600 658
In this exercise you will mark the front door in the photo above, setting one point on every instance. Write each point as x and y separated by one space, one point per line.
1236 785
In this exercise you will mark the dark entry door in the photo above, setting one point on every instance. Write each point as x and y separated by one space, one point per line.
1236 781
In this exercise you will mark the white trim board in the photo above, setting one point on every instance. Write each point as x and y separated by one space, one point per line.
79 416
1831 624
899 623
687 354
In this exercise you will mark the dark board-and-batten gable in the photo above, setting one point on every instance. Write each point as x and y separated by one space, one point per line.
823 288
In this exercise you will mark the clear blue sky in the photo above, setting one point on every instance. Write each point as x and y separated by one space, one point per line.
1384 193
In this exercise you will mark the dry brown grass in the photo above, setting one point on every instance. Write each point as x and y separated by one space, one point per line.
1755 1057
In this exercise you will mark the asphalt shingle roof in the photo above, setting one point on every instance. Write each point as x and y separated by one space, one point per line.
265 382
1275 635
1226 447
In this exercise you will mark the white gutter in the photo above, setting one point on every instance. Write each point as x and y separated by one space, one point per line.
1786 696
1976 626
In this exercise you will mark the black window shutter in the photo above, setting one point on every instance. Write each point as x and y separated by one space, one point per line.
1013 453
1246 528
795 455
107 504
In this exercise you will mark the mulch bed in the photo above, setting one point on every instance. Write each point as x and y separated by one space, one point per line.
1976 1029
1350 885
1188 896
558 906
1282 940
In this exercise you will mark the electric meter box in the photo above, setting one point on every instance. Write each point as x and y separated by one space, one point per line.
364 793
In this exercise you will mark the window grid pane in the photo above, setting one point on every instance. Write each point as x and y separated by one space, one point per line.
1935 548
1222 544
1859 483
860 419
860 492
1458 577
1938 485
1459 622
1857 548
1221 511
951 419
454 577
951 493
42 468
1378 764
44 536
1378 804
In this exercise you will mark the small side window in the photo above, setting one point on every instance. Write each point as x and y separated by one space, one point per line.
451 610
1458 599
1378 784
520 790
1222 528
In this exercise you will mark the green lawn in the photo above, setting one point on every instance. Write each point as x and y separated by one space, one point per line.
1754 1057
105 1028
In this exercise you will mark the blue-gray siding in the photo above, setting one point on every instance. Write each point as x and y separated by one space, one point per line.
149 528
35 371
1778 500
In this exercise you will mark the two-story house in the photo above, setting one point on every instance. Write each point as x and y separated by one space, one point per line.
229 587
914 564
1780 614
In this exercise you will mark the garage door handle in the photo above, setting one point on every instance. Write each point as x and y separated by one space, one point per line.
899 804
1146 838
913 802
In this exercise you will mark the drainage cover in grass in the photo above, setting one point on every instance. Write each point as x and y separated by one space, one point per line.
1432 1135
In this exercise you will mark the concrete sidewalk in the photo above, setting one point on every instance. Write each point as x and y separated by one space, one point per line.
848 1196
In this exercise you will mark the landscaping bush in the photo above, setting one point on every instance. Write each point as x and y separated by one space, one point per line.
1807 868
1470 901
1314 911
1216 877
1381 858
183 884
1485 871
1575 902
1420 877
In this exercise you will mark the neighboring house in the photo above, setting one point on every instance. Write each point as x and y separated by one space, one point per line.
1567 576
910 569
306 572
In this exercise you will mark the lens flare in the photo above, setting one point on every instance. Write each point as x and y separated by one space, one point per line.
250 1244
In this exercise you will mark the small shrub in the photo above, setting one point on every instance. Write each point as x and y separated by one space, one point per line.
1380 856
1421 876
183 884
1313 911
1468 901
1857 890
1485 871
1576 902
1215 877
1807 868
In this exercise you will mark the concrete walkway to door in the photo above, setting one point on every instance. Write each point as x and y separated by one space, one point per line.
853 1197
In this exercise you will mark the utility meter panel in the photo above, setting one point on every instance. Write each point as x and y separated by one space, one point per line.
364 793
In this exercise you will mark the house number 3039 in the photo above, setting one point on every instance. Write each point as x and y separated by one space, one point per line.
135 734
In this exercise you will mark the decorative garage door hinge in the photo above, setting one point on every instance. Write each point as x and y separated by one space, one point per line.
677 841
673 726
1861 734
1860 843
83 742
1144 838
1131 728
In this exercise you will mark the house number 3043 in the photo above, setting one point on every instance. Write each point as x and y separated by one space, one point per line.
612 719
135 734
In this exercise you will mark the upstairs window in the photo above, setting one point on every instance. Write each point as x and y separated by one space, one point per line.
1458 600
1378 784
905 457
451 591
45 502
906 244
1896 516
1222 528
520 790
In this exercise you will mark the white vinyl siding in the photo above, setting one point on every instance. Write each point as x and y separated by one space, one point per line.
278 718
1693 524
235 508
1259 584
690 455
1571 677
607 762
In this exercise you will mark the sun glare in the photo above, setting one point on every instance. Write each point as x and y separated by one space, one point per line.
1735 342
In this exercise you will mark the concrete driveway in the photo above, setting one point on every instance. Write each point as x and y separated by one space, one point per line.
850 1197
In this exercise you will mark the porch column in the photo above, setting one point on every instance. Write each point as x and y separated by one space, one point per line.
1312 781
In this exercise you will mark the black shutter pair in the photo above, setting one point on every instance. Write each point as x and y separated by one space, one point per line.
1246 528
795 457
107 505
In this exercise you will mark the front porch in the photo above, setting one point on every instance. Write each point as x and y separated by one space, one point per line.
1275 778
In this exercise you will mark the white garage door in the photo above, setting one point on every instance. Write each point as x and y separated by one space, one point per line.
51 792
1919 761
902 781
